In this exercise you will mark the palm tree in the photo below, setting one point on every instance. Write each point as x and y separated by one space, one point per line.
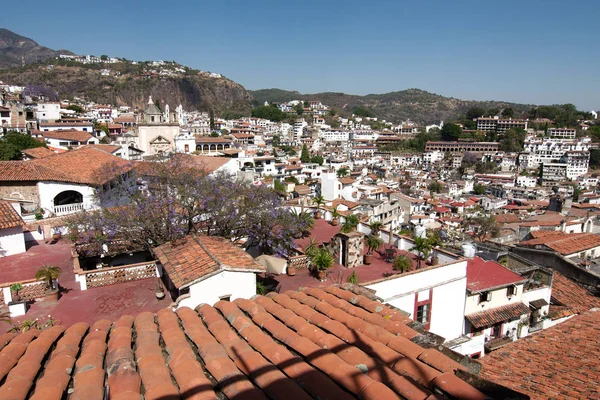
322 260
373 243
319 201
402 263
4 315
422 247
342 172
350 223
375 226
311 247
48 273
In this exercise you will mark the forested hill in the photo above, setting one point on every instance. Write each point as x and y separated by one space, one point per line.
414 104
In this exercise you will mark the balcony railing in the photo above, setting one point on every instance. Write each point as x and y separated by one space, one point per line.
68 208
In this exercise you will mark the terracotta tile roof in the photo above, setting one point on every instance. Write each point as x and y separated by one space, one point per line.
107 148
85 165
327 344
9 217
194 257
566 244
485 275
569 298
209 139
201 163
350 204
495 315
346 181
72 135
559 362
507 218
38 152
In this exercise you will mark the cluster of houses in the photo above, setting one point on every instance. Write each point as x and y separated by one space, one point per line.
510 243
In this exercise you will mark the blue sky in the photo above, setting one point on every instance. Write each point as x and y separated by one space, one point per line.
530 51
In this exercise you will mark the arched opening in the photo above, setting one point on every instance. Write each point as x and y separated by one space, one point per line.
68 202
68 197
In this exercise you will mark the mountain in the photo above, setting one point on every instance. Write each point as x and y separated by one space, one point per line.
128 83
414 104
14 49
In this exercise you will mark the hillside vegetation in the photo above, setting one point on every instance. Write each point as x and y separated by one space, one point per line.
414 104
127 85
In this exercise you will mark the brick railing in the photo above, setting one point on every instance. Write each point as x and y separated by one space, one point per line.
299 262
109 276
32 289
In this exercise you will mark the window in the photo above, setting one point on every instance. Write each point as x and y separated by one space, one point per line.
511 290
485 296
423 313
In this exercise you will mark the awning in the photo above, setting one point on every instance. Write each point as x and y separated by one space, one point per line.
496 315
537 304
275 265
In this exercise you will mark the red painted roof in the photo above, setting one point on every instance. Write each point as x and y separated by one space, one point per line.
485 275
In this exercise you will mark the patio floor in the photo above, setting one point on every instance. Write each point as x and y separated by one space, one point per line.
74 304
337 274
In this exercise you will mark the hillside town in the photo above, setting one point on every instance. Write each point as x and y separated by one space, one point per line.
444 254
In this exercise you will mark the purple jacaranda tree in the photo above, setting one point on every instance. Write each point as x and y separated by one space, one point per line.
173 197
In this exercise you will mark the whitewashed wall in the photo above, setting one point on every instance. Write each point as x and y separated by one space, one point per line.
225 283
12 241
448 284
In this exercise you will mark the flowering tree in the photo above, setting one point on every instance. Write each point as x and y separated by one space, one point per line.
175 197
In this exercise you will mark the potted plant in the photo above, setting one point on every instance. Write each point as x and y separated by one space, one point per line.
402 263
311 249
319 201
350 223
14 289
322 260
48 274
335 217
373 243
158 290
422 247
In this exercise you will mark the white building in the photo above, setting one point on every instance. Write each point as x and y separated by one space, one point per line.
63 183
562 133
12 239
67 139
495 310
202 269
47 111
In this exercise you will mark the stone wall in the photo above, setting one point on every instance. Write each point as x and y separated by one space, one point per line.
21 190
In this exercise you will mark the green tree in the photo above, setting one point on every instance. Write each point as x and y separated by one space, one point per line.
435 187
478 189
76 108
594 158
342 172
276 141
451 132
304 155
9 152
214 134
402 263
508 112
422 247
317 159
513 140
361 111
270 112
474 112
224 132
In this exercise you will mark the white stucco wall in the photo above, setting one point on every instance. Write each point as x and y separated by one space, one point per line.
448 284
225 283
499 298
12 241
49 190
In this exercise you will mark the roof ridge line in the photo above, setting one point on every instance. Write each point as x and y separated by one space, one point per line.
210 254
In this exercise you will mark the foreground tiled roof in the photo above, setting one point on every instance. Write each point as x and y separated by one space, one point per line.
496 315
194 257
562 362
9 217
325 344
85 165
